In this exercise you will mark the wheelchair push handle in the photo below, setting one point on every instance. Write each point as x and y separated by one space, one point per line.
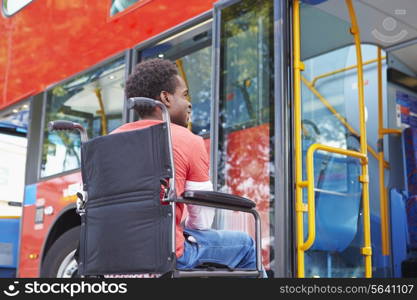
141 102
61 125
68 125
147 104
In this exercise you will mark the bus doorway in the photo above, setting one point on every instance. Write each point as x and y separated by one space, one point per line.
353 223
13 143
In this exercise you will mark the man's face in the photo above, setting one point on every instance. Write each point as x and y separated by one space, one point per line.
180 108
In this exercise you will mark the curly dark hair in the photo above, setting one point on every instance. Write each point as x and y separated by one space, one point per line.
150 78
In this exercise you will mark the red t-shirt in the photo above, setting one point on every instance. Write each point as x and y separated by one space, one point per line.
191 164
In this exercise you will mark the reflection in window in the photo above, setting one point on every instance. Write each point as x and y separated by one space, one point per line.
11 7
246 74
120 5
196 70
191 51
94 100
15 121
246 114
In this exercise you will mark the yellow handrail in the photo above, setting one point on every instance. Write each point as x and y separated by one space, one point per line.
310 186
299 206
102 112
342 119
390 131
383 206
367 249
382 190
384 212
180 67
9 217
313 82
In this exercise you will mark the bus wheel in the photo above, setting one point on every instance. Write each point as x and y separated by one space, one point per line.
59 261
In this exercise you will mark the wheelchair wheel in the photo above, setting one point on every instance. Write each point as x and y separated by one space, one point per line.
59 261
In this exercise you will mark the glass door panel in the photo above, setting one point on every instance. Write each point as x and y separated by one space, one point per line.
329 116
246 115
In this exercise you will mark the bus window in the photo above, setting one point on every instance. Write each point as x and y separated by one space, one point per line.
191 51
13 149
12 7
95 100
120 5
246 114
13 142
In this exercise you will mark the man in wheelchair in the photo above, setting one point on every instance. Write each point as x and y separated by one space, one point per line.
196 244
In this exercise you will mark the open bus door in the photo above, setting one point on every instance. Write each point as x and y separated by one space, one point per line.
333 170
243 135
354 137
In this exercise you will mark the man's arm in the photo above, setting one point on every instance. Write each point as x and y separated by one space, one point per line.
199 217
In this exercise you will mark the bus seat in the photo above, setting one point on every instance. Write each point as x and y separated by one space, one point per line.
411 209
379 261
409 266
399 232
338 198
410 150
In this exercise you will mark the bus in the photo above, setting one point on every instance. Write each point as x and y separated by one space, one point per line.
307 107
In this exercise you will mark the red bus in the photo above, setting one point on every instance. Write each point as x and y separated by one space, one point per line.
295 100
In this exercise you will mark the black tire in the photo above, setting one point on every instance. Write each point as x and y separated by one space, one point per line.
60 251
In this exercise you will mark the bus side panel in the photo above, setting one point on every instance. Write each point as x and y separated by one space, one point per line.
52 195
30 244
49 41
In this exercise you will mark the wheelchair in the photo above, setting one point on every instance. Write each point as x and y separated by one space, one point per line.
126 228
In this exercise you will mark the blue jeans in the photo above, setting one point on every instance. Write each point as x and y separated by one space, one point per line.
232 248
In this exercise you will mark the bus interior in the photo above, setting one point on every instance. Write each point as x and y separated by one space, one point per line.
330 116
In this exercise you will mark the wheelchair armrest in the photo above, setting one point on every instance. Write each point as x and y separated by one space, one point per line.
217 199
231 202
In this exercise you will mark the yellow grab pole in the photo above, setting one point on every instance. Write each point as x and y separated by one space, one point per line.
390 131
310 185
313 82
299 206
342 119
385 239
103 117
180 67
367 249
384 211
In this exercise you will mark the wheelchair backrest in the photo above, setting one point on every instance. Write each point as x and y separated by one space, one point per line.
125 228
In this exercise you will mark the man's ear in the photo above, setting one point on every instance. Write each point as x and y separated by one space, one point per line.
165 98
